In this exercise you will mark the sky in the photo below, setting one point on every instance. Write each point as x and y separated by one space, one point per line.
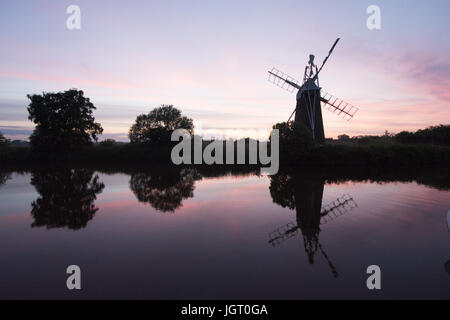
210 60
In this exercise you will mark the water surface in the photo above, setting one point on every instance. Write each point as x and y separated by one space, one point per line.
187 234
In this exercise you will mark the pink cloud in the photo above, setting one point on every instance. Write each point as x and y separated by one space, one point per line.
426 72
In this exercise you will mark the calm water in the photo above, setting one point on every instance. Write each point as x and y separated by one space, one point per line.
187 234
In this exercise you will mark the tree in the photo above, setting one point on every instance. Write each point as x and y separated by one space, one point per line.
435 134
387 134
405 137
3 140
108 143
64 121
158 125
343 137
295 140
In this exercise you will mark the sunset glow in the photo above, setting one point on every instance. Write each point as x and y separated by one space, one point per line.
210 60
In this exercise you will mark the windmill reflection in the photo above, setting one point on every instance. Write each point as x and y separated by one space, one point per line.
66 198
304 194
164 189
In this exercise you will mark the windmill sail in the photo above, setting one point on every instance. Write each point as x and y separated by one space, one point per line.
283 80
326 59
338 106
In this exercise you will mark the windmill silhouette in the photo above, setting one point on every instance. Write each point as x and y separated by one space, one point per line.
310 97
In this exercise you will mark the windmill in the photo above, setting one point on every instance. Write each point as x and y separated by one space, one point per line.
310 97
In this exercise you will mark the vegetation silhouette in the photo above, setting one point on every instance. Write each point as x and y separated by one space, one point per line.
66 129
296 140
3 140
157 126
4 176
66 197
165 189
435 134
64 121
108 143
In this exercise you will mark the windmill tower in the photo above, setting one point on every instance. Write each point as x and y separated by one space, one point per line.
310 98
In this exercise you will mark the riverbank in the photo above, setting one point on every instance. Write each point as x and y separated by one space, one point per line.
377 154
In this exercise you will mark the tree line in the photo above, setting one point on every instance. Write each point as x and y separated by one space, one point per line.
65 122
439 134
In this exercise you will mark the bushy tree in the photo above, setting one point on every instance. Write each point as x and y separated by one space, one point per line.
64 121
435 134
344 137
108 142
157 126
295 140
405 137
3 140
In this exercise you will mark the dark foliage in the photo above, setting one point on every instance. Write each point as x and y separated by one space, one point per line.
164 190
3 141
281 189
295 140
64 121
344 137
4 176
108 143
66 198
437 134
157 126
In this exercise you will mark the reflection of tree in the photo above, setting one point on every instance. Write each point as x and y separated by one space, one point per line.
66 198
164 189
282 190
4 176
